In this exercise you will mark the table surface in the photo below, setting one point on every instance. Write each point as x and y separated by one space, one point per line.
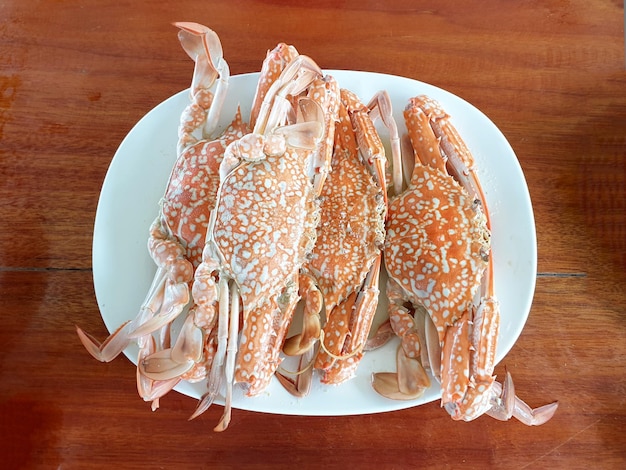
76 76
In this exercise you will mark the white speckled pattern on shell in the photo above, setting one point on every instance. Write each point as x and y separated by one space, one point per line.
265 225
434 245
192 189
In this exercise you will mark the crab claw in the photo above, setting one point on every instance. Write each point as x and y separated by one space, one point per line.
203 46
273 65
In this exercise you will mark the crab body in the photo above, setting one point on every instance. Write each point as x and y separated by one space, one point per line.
178 231
260 232
437 255
345 263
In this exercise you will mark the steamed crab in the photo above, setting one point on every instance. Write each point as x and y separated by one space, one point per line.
262 228
437 255
197 343
346 260
177 234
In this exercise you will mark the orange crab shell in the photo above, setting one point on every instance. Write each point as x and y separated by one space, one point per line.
347 240
193 184
265 226
443 270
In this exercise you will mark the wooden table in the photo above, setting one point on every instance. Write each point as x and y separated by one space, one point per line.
76 76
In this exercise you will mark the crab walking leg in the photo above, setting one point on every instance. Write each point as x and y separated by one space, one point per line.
231 352
411 380
167 297
175 295
300 385
314 302
506 404
212 296
108 349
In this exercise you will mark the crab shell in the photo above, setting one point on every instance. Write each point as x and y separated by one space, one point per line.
435 246
192 188
351 229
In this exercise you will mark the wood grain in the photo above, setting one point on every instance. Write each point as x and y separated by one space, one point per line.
76 76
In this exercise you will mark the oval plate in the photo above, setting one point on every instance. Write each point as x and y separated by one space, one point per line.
139 171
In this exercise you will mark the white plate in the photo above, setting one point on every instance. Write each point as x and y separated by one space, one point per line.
135 181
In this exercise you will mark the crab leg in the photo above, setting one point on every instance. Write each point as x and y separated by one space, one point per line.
411 380
314 301
213 295
340 356
166 298
272 68
505 405
231 352
204 47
